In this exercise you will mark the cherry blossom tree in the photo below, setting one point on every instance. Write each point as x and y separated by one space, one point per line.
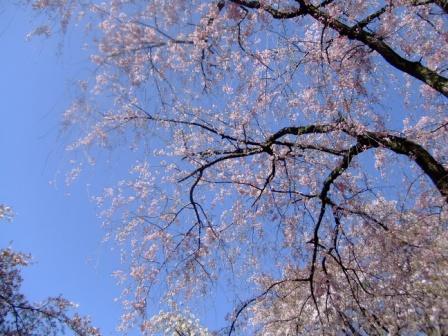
18 317
295 150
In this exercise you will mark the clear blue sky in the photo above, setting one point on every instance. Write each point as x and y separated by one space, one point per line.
56 224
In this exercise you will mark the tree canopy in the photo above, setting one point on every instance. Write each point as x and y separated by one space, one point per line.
295 152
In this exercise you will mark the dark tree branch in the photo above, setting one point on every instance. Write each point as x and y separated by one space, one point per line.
356 32
415 69
433 169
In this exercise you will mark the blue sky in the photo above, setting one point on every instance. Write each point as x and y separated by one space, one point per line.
58 225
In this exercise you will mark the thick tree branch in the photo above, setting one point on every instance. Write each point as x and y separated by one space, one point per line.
415 69
433 169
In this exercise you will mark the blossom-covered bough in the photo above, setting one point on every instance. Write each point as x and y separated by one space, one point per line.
296 148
